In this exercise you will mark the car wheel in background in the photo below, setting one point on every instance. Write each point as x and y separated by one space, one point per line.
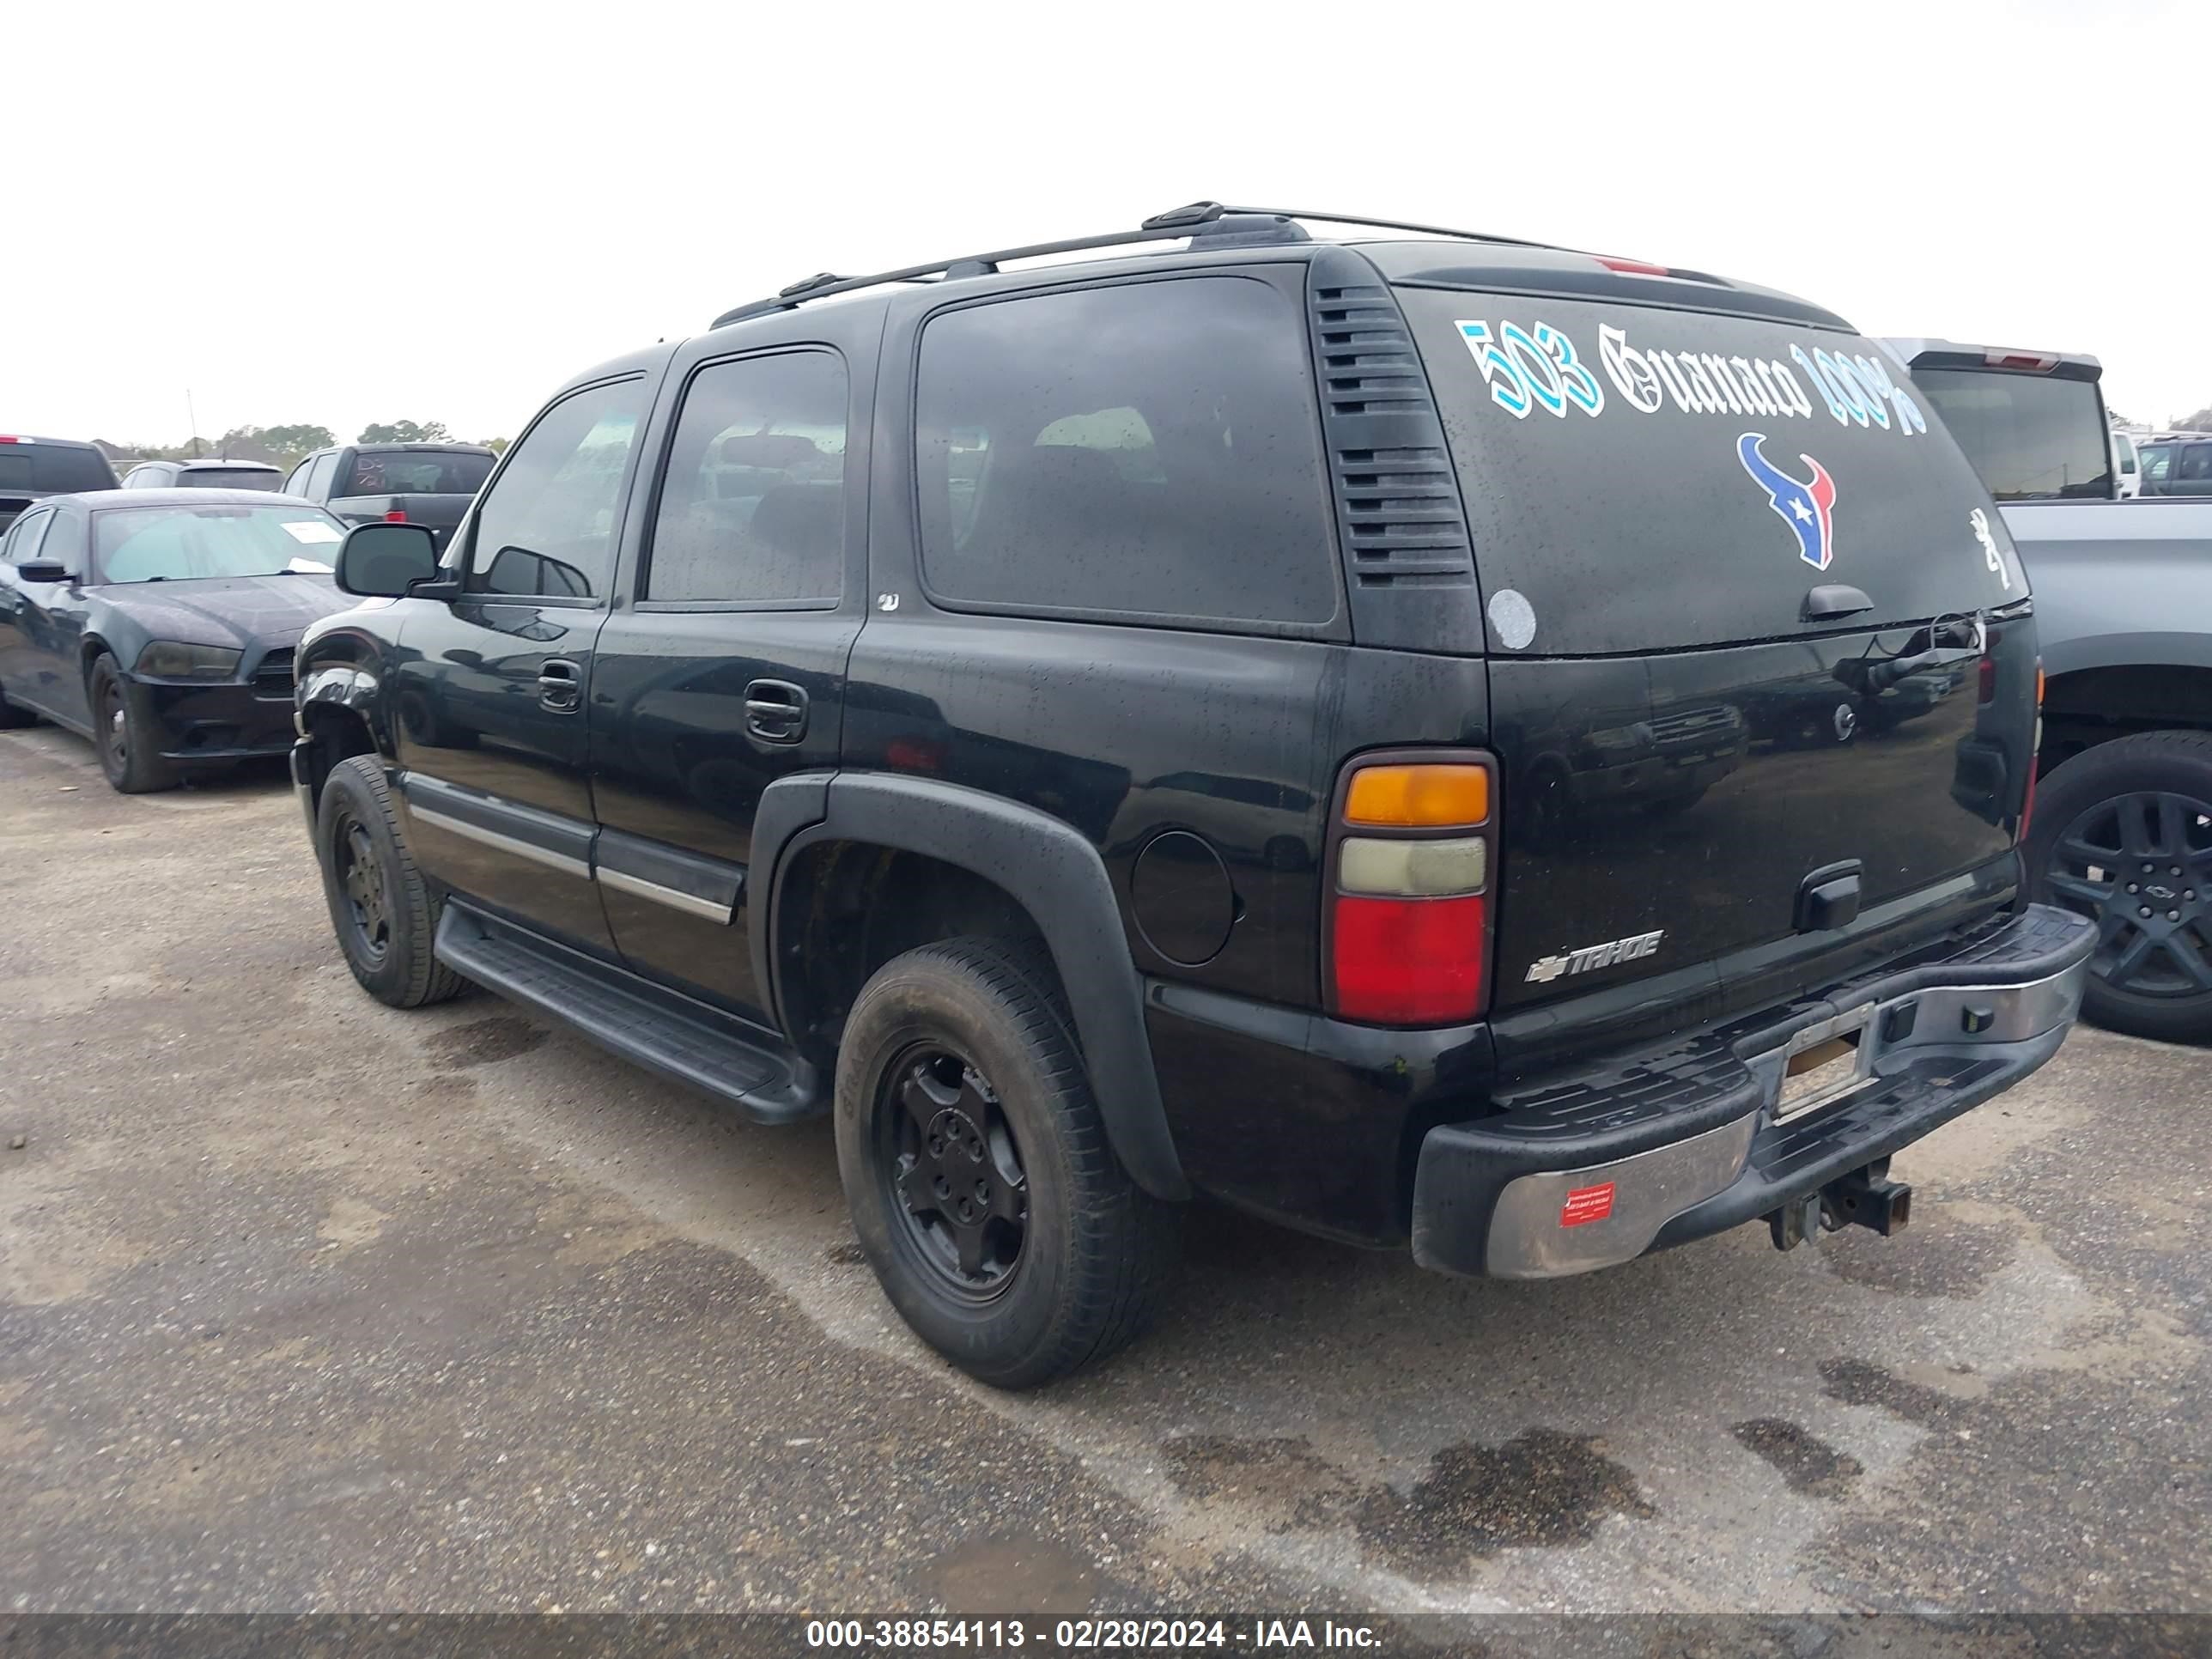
2122 833
383 912
982 1186
128 753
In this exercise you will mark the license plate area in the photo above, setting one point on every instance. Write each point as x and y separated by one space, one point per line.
1824 1063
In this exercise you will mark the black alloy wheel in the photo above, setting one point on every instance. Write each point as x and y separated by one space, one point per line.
130 756
360 875
948 1157
2140 865
112 725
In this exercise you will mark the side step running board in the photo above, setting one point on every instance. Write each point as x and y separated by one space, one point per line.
682 1040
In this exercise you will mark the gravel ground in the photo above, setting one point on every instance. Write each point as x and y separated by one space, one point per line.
305 1303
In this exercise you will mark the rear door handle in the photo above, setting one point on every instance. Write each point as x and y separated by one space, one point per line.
560 685
776 711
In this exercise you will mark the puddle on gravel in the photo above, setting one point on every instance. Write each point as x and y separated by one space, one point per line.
1542 1488
482 1042
1810 1464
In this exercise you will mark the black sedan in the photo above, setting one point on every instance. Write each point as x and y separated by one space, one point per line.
161 624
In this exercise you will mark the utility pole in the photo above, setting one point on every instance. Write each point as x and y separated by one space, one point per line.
191 416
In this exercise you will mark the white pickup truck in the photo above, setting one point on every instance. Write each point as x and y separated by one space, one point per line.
2122 826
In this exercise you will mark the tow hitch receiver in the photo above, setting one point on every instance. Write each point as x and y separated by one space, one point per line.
1864 1198
1868 1198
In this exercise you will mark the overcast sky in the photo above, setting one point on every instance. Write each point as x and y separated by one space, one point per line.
342 214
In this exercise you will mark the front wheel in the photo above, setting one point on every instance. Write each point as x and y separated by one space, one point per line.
384 912
983 1188
129 754
2122 834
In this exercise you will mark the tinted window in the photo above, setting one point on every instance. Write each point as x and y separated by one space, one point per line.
1696 478
548 525
1149 449
318 481
228 477
23 538
2196 464
186 543
416 473
54 468
2156 458
752 506
2031 436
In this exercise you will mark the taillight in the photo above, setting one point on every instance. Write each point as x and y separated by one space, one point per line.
1412 852
2040 362
398 515
2034 756
1633 267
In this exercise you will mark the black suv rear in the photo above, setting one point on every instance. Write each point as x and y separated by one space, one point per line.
1439 741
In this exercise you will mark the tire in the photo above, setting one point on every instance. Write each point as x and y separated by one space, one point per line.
383 912
129 755
2112 827
970 1037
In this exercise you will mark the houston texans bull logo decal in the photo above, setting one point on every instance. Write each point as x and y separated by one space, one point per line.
1806 507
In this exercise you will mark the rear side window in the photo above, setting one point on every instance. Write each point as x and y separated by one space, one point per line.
55 469
1638 478
752 506
2196 464
2031 437
1146 450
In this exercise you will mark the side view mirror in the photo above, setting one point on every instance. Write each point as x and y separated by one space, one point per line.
385 560
43 570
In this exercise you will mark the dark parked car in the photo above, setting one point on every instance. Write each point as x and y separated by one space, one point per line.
162 625
203 475
33 468
428 484
2177 464
1066 722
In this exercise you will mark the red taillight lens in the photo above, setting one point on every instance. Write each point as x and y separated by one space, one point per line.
1410 861
396 516
1408 961
1987 689
1633 267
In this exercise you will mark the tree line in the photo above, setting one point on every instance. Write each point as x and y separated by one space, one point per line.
282 445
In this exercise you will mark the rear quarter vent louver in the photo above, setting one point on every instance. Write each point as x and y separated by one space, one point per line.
1409 561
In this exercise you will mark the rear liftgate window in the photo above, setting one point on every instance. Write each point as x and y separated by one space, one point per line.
1149 450
1640 480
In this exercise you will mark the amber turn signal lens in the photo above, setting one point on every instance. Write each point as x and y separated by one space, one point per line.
1418 796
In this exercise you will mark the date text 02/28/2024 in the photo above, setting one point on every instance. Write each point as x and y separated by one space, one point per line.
1088 1635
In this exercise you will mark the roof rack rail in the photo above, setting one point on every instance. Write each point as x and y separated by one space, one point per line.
1222 227
1393 224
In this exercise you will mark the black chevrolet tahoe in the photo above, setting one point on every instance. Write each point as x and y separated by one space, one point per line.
1441 741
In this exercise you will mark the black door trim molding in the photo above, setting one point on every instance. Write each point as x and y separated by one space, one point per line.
689 882
547 838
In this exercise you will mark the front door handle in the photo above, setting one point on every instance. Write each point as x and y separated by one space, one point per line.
560 685
776 711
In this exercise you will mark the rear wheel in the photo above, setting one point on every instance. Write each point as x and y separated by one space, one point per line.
383 912
982 1186
2122 834
129 754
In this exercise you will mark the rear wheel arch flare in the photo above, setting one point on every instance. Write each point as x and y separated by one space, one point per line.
1048 870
